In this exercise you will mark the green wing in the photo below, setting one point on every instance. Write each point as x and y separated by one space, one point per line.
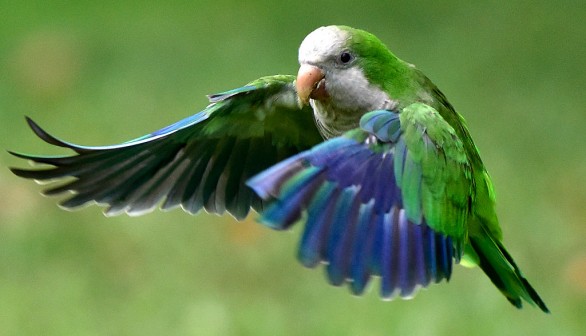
389 199
201 161
436 178
460 199
484 246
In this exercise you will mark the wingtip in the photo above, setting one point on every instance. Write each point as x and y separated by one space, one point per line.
24 156
33 125
13 153
41 133
518 303
15 171
536 299
24 173
29 120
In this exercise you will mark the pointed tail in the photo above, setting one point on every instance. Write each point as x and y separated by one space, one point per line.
500 267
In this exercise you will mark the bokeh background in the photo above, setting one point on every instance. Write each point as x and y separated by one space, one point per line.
103 72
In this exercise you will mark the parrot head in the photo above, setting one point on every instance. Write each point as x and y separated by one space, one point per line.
344 73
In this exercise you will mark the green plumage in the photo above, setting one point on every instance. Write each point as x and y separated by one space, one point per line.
446 185
456 194
201 162
381 168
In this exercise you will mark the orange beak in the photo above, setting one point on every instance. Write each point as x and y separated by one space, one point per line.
310 84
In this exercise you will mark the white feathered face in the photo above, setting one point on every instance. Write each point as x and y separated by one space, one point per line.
331 79
326 46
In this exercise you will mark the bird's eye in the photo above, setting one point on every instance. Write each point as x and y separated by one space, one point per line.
346 57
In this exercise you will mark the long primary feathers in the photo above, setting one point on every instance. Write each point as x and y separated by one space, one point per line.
199 162
361 219
395 189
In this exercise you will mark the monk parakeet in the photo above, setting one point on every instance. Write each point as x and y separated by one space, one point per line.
360 146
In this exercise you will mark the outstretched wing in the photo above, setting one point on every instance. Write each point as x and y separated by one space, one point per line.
201 161
388 199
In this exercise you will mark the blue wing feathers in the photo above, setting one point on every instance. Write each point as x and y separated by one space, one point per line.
269 182
318 218
375 261
361 247
385 195
429 246
383 124
447 256
348 170
359 191
342 229
419 268
386 253
331 152
285 211
191 120
217 97
367 182
356 221
407 264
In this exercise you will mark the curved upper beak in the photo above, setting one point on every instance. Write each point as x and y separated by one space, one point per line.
309 83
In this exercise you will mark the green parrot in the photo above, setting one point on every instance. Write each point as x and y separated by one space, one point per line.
360 146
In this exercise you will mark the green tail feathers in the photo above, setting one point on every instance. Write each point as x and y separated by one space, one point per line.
497 263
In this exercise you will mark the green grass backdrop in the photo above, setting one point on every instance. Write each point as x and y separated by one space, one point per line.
104 72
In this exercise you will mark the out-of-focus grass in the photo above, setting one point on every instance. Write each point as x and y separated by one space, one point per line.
104 72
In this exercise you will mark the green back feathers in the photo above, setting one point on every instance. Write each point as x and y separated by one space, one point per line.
445 188
405 84
483 199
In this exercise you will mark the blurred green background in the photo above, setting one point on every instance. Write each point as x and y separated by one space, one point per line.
104 72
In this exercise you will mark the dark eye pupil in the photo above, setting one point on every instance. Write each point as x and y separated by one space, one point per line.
345 57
